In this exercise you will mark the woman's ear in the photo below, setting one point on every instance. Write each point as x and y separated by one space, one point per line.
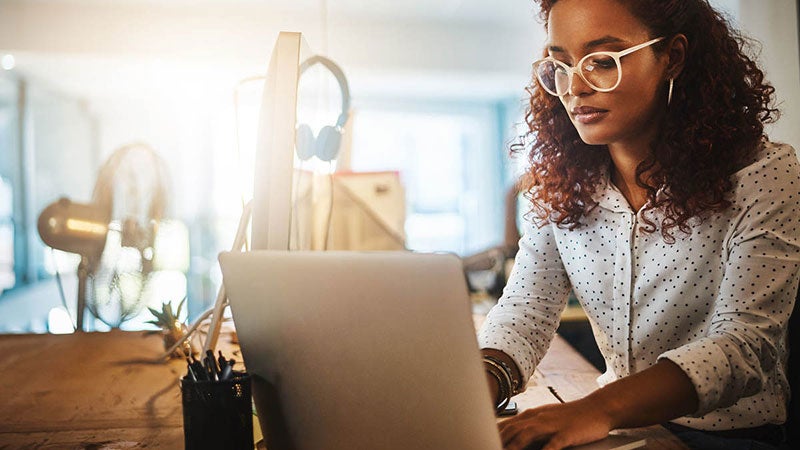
676 50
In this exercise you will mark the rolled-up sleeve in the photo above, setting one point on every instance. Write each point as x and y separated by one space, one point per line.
523 322
755 299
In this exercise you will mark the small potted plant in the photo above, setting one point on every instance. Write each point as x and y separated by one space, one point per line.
172 329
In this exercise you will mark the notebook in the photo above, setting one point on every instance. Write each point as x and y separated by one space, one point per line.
352 350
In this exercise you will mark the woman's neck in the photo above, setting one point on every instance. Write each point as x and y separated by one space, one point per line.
625 159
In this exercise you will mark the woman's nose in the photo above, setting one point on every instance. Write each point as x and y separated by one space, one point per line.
578 86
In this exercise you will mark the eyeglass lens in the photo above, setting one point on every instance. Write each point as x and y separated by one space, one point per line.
600 71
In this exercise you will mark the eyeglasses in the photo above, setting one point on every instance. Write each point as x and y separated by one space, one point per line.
602 71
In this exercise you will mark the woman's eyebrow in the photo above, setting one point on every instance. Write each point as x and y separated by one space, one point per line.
602 41
589 45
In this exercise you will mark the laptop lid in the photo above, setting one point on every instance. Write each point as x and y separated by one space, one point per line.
355 350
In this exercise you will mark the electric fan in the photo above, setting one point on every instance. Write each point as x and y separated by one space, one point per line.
114 234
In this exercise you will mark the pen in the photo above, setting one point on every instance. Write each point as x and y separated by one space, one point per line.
189 372
199 372
210 368
228 372
216 369
555 394
221 360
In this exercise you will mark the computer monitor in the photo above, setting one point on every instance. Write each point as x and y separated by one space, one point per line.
274 156
294 206
271 213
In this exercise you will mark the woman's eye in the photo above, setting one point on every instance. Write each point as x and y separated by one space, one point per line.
599 62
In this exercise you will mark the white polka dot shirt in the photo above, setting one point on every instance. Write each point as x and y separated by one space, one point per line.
716 302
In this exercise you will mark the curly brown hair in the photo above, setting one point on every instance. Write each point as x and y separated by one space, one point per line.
712 128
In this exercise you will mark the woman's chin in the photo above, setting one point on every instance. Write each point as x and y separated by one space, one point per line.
593 134
592 138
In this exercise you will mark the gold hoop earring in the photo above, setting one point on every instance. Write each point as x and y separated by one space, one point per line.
669 95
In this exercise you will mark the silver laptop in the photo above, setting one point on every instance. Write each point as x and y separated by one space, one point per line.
360 350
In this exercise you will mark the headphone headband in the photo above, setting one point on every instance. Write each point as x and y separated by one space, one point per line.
340 78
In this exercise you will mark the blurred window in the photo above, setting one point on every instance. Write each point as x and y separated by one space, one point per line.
451 166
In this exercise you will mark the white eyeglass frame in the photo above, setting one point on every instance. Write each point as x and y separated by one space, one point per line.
571 71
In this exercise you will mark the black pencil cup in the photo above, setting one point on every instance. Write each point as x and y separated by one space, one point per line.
217 414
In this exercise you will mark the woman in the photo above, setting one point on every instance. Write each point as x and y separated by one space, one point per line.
657 199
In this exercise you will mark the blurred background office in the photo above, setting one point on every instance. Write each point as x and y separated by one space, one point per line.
437 94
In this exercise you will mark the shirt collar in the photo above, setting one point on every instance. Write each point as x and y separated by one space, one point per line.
609 197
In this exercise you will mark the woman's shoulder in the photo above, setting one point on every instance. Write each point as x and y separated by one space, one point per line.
774 162
771 179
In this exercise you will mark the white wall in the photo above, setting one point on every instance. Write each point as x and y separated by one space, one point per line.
729 7
774 24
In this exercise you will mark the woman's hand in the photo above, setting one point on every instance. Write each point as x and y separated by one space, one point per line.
629 402
559 425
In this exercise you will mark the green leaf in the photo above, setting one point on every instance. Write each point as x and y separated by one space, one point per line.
180 306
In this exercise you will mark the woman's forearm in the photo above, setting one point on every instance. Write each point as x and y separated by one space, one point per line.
658 394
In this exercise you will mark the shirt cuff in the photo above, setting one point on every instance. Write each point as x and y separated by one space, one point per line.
508 341
707 367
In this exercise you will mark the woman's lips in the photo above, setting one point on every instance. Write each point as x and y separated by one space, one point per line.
588 115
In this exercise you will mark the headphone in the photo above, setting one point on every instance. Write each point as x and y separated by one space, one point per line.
325 145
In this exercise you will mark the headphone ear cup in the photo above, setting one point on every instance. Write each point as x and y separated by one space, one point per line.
328 142
304 142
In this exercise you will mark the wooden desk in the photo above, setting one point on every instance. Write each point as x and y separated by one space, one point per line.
100 391
88 390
